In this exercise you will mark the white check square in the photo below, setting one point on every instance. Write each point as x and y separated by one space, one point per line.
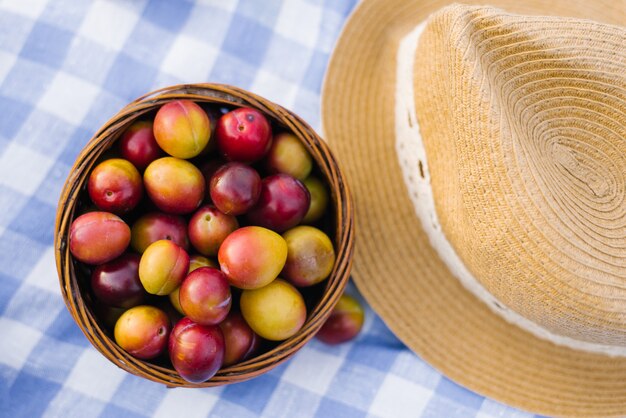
108 24
189 59
69 98
188 403
226 5
44 275
19 341
23 169
30 8
71 404
305 370
7 61
400 398
299 21
95 376
492 409
275 88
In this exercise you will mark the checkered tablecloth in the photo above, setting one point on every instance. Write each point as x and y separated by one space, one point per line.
66 66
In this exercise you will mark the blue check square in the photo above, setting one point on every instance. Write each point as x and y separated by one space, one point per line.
228 409
8 287
47 44
66 14
291 401
14 113
33 221
12 203
29 396
253 394
19 83
50 188
80 405
76 141
266 14
375 353
141 45
332 408
18 253
63 328
341 7
50 351
114 411
438 407
232 70
247 40
138 395
313 77
129 78
355 382
458 393
167 14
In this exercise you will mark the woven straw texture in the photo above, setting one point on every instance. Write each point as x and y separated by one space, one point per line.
72 280
523 120
528 163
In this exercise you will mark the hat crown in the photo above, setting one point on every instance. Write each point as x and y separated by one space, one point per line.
524 125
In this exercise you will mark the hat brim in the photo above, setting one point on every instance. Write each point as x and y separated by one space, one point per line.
397 270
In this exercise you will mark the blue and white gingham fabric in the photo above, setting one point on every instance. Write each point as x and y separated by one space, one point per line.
66 66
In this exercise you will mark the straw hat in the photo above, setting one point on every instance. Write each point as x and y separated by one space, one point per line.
486 150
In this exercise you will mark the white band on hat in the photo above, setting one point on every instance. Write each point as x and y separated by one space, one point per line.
411 155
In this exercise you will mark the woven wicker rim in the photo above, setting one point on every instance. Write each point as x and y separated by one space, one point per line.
107 135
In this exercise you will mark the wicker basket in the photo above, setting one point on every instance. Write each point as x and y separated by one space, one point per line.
76 295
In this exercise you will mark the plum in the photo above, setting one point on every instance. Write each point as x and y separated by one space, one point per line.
344 323
282 204
208 169
196 351
319 199
143 331
98 237
310 256
235 188
214 115
138 145
239 339
182 129
243 135
175 186
162 267
195 262
205 297
288 155
174 298
117 283
252 257
275 312
208 228
115 186
155 226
